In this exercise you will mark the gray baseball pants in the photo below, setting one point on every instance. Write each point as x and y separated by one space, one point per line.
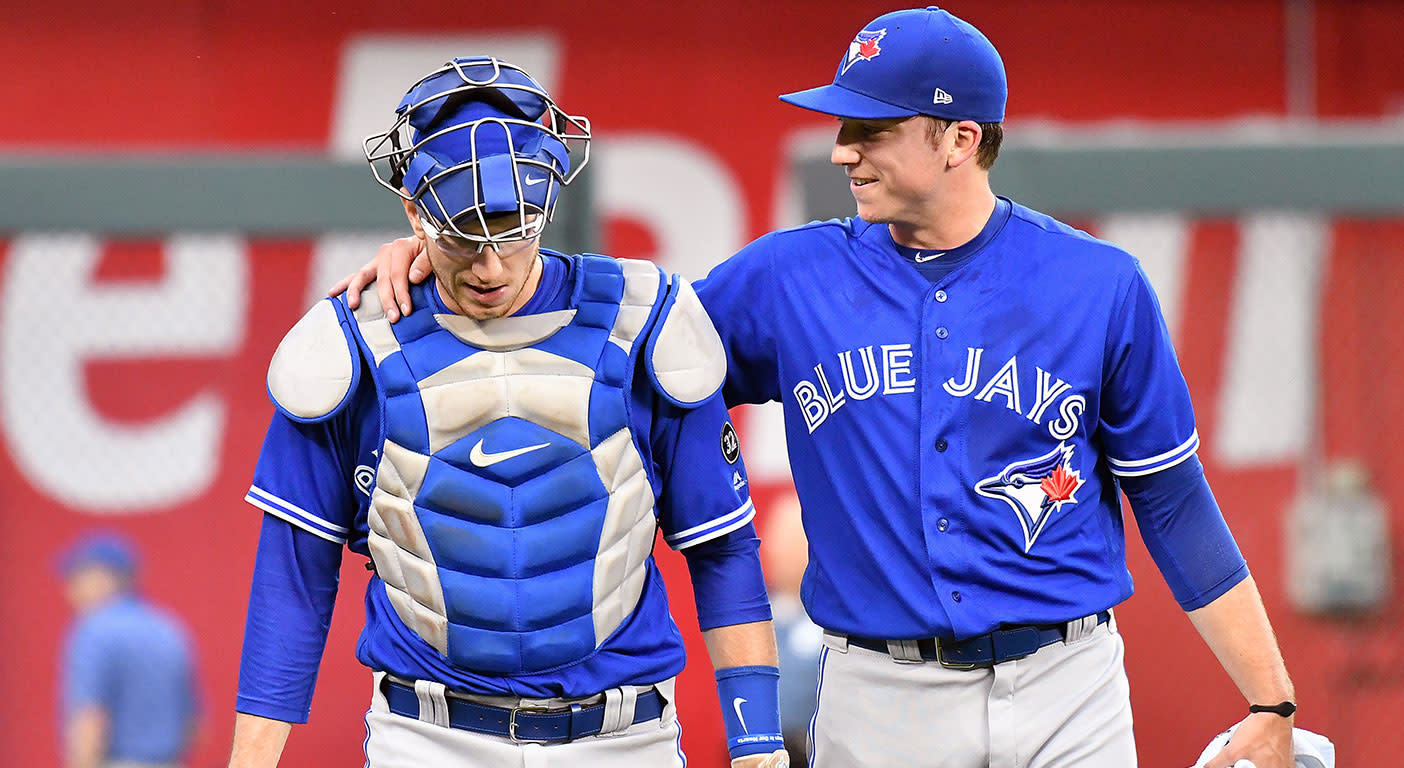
1066 705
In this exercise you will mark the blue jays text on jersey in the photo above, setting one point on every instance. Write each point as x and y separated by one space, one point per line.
824 393
965 431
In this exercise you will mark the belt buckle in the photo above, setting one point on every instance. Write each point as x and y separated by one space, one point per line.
941 658
512 723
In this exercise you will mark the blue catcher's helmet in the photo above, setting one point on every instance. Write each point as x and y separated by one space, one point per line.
479 138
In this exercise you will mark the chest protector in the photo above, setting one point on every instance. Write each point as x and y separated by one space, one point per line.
512 519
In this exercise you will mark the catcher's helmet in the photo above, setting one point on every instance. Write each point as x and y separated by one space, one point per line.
479 138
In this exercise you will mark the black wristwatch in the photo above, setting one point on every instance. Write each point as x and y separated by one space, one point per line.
1285 709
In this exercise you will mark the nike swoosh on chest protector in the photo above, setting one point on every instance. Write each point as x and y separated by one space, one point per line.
481 458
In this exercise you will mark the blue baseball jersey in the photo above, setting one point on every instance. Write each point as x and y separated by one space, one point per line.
955 433
136 663
319 477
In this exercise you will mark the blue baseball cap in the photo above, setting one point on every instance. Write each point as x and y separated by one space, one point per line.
921 61
110 550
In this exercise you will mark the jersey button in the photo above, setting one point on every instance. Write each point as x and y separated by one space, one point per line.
942 524
955 596
941 296
942 333
941 445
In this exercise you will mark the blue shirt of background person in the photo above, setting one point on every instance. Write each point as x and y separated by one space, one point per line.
128 676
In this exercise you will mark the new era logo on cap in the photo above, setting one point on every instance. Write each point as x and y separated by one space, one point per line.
864 47
941 97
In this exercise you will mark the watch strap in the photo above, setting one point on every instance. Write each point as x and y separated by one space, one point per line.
1282 709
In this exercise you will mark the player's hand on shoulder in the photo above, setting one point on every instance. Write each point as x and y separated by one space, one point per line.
777 759
1264 739
396 265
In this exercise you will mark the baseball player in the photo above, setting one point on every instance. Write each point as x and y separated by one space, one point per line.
968 385
504 456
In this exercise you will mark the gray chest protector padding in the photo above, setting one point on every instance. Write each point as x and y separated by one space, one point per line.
316 366
686 358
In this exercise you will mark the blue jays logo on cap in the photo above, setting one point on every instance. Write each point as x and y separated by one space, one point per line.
864 48
1035 489
920 61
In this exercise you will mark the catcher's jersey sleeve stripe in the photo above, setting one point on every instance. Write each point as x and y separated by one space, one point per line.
294 514
714 528
1165 460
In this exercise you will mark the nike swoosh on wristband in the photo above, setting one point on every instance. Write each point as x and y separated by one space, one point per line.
736 705
481 458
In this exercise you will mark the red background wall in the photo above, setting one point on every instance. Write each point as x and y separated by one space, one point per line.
88 77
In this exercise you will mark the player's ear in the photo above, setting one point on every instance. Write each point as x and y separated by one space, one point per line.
412 213
965 143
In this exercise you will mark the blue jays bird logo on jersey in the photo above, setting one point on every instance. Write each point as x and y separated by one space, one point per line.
1035 489
863 48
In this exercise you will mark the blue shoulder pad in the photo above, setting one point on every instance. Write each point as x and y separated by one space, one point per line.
684 356
316 366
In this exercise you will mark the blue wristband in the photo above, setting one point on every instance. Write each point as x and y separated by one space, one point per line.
750 703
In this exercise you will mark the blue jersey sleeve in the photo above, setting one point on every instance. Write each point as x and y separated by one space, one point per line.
84 661
290 607
305 482
305 475
704 491
1147 419
738 297
1185 533
727 581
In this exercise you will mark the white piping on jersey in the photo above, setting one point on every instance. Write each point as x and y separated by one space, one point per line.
729 522
289 506
309 524
1127 468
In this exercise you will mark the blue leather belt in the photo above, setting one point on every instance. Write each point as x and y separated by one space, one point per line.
985 650
548 724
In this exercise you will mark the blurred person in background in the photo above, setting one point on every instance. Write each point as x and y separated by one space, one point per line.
784 555
128 676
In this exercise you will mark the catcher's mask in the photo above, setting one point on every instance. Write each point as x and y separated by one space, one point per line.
479 138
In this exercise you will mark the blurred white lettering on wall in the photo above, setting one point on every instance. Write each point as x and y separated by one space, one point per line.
57 318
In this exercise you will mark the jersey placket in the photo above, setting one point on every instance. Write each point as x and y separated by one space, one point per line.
941 447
